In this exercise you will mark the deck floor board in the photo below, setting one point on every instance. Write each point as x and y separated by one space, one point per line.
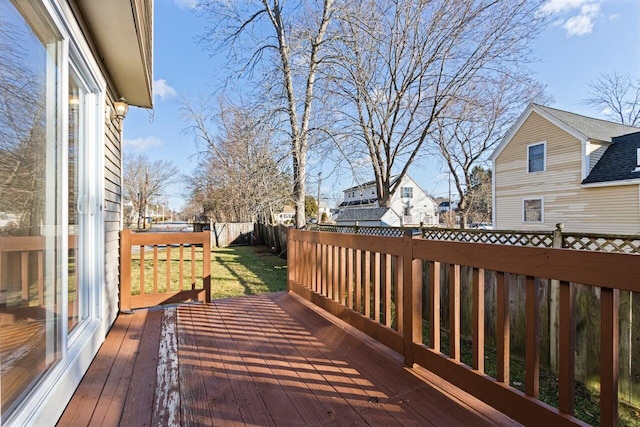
261 360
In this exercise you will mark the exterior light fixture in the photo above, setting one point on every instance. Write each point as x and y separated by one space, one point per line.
121 108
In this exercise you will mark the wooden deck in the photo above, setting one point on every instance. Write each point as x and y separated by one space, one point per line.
259 360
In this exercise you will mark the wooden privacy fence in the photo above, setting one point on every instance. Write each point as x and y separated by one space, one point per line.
376 284
176 287
274 236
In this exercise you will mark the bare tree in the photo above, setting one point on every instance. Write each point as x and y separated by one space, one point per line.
23 135
239 176
398 66
286 42
144 179
617 96
474 123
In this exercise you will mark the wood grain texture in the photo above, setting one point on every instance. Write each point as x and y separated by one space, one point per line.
260 360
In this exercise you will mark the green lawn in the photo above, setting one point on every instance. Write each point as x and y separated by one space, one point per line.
246 270
235 271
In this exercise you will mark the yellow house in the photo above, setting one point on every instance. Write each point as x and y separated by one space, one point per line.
554 166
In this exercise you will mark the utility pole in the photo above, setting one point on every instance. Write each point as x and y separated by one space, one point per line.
450 205
319 182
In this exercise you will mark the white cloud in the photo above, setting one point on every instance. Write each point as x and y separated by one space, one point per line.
615 17
584 14
561 6
162 89
186 4
141 144
582 23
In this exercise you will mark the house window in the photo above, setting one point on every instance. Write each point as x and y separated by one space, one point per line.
407 192
536 157
532 210
49 190
407 211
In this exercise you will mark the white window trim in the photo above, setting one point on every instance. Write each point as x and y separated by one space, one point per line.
541 209
48 398
544 156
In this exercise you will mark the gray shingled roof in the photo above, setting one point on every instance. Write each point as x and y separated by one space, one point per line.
601 130
364 214
618 163
368 183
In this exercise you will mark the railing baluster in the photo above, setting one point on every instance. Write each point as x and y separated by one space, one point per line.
532 362
454 311
478 320
142 290
376 286
24 274
168 261
502 328
318 267
41 276
358 271
181 267
350 278
387 289
399 294
193 267
155 269
329 293
434 286
336 273
206 266
566 345
609 356
343 275
367 284
323 270
308 260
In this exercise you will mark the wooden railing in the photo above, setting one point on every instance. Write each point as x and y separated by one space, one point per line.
376 284
29 248
169 243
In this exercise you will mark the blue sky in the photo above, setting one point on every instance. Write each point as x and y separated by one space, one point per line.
584 39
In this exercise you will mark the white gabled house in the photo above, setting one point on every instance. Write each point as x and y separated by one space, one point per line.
410 206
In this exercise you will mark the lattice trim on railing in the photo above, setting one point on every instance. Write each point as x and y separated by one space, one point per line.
578 241
515 238
601 242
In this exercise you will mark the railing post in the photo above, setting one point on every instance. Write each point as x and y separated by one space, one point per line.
125 270
290 253
411 299
206 265
554 290
609 356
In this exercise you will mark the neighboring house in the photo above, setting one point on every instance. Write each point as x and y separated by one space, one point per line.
409 206
554 166
64 66
287 215
444 207
324 208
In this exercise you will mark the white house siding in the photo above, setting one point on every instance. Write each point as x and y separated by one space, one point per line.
596 210
595 152
112 224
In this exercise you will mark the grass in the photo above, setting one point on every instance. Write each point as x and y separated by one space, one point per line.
235 271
